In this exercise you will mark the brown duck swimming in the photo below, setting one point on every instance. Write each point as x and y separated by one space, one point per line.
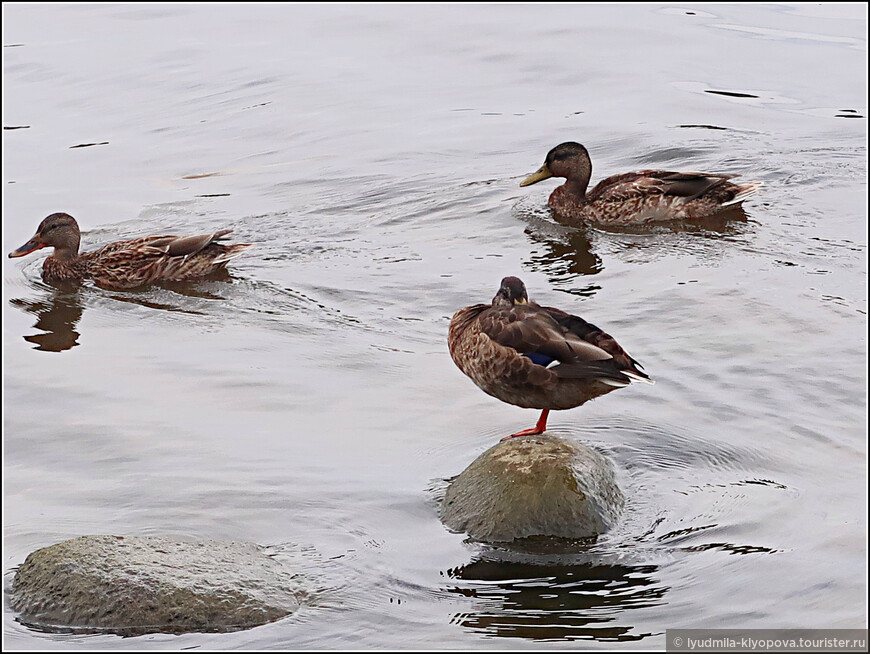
634 198
127 264
536 357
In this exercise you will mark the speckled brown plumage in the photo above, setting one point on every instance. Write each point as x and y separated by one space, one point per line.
127 264
633 198
536 357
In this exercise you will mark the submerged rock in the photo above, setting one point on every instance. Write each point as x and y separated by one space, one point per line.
147 584
533 486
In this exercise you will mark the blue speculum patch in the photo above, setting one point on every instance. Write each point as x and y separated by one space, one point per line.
540 359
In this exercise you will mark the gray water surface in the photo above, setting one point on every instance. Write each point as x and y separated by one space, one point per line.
373 155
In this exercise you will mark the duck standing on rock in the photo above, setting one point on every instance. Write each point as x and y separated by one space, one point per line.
127 264
634 198
536 357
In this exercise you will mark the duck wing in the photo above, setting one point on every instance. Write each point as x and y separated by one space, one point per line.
599 339
148 247
655 182
126 264
182 246
536 333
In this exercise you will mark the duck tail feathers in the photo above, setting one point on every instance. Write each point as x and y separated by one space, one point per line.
638 376
232 251
744 191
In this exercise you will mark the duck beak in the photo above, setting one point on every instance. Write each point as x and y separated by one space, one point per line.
32 245
542 173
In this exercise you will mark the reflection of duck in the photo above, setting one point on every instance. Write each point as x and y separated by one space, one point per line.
558 601
565 253
57 317
565 257
127 264
634 198
536 357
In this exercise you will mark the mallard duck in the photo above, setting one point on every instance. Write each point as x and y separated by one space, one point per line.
536 357
127 264
634 198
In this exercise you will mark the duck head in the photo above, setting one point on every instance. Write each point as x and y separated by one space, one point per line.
512 291
569 160
60 231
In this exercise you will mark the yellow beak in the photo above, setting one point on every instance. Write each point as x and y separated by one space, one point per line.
542 173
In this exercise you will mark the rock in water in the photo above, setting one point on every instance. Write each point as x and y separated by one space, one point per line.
533 486
138 585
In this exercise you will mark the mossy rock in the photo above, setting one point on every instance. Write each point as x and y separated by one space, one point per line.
534 486
139 585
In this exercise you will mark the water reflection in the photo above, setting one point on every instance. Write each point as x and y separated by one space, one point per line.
57 316
556 601
569 255
59 312
564 253
566 250
566 247
724 222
